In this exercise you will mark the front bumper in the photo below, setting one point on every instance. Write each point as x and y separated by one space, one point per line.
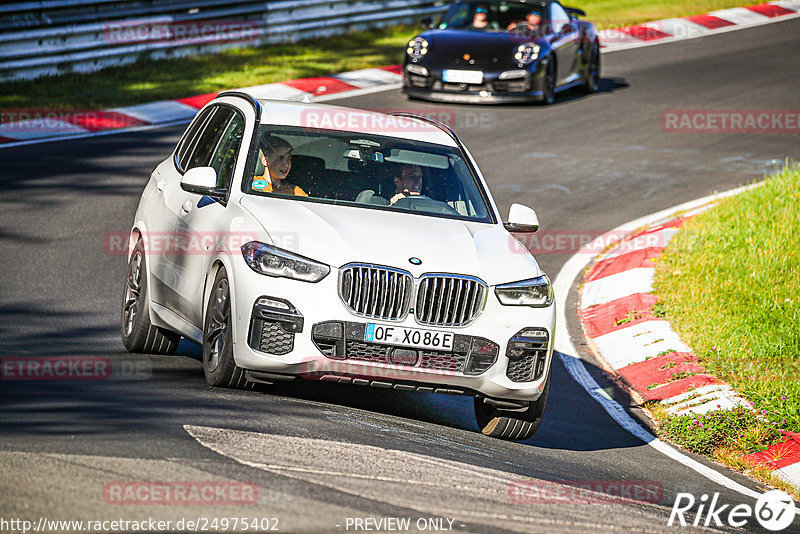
493 90
295 341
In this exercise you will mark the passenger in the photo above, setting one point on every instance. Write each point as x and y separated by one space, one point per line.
276 156
533 22
407 183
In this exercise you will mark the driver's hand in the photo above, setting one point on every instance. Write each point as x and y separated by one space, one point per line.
395 198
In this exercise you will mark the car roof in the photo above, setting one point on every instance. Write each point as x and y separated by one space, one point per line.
340 118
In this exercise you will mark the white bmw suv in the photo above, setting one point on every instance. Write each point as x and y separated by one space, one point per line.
301 240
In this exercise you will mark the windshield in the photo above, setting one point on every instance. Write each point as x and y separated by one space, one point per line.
493 16
364 170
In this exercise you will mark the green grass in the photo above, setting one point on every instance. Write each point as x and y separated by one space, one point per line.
704 434
729 283
147 80
617 13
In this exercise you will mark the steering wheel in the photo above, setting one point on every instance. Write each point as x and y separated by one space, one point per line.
426 204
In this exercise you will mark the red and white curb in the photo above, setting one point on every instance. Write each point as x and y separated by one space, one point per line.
678 29
51 125
616 311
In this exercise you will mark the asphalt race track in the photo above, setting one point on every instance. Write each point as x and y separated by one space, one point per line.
322 453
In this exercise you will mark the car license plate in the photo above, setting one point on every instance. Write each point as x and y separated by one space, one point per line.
462 76
408 337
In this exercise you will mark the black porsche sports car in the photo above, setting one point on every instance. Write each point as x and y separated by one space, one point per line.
498 51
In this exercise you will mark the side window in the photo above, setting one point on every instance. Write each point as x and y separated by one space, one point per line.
209 138
224 158
190 139
558 17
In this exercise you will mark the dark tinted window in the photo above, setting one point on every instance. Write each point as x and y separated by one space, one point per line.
190 139
209 138
224 158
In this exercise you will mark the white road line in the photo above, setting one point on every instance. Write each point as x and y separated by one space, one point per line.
576 368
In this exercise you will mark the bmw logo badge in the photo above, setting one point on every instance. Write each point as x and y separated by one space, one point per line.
415 261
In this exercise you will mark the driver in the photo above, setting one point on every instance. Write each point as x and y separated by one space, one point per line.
276 156
480 18
407 183
532 20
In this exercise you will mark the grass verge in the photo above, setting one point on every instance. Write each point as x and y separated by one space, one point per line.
148 80
729 283
726 437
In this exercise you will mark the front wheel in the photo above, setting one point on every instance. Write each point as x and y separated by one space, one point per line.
510 425
218 364
592 76
549 88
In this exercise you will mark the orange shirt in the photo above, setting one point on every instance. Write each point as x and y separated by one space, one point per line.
259 181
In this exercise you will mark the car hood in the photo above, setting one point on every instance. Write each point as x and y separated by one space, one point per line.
485 48
338 235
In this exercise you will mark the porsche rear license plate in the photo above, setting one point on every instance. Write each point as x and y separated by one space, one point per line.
462 76
408 337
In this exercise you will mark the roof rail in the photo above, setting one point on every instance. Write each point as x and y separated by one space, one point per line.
250 98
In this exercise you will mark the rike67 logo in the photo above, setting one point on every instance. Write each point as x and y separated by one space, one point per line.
774 511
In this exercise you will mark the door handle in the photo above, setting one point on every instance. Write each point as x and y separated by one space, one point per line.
187 206
161 185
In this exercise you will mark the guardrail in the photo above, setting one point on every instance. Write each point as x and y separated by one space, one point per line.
57 36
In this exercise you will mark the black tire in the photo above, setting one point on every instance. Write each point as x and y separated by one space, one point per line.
515 426
549 84
138 333
218 364
592 75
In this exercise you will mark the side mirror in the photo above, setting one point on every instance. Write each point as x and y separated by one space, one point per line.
521 219
567 28
202 181
427 23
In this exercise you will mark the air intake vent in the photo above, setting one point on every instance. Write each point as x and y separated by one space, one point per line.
375 291
449 300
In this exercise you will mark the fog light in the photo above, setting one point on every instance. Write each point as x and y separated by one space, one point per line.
482 355
417 69
527 340
512 74
264 301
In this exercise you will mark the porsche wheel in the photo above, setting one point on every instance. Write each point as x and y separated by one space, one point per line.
138 333
511 425
218 364
592 76
549 88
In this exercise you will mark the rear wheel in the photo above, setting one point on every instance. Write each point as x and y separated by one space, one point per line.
549 88
511 425
592 76
138 333
218 364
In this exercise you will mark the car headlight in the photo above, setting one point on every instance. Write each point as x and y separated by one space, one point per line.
417 47
273 261
527 53
536 292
